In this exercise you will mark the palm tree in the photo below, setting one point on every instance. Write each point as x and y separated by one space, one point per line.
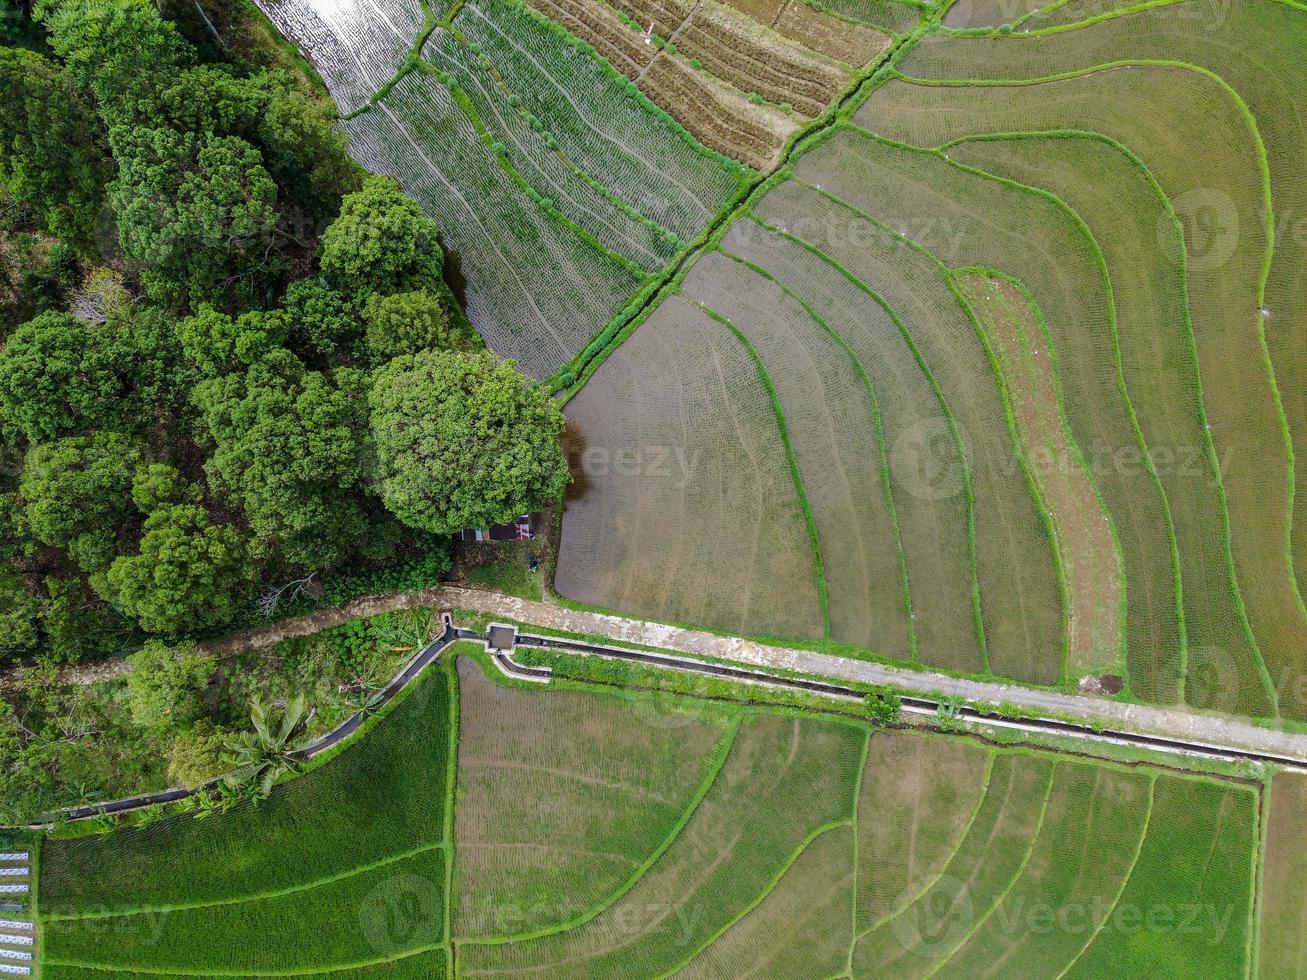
263 756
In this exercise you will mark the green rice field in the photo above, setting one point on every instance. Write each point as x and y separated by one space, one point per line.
577 829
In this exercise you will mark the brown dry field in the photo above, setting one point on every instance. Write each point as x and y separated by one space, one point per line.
683 508
1080 525
715 112
852 44
803 60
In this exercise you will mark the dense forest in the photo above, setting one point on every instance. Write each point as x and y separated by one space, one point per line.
230 360
233 381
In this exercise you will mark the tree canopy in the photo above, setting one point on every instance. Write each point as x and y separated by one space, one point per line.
381 243
463 440
227 361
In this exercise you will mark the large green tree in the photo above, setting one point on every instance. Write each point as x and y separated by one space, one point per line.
188 575
57 377
198 212
217 343
77 491
166 686
120 49
52 147
407 323
464 440
290 452
381 243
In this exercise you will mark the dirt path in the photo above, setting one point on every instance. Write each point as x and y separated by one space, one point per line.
1205 728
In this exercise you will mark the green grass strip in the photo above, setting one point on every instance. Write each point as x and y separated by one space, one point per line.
450 667
1078 457
1258 904
877 425
1125 880
857 798
757 899
1263 166
819 565
1101 264
1025 861
929 375
1077 454
716 761
118 970
253 896
598 187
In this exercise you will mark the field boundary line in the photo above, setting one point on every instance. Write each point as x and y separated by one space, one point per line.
943 272
929 375
460 97
246 899
211 972
1286 439
449 666
943 871
1110 298
857 801
800 487
1125 879
716 760
993 755
1020 873
877 425
1209 445
619 329
1263 164
429 24
1036 492
1124 11
759 898
1256 903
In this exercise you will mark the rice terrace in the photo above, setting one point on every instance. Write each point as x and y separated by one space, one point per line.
915 589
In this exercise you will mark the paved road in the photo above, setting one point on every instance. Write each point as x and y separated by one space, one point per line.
1183 724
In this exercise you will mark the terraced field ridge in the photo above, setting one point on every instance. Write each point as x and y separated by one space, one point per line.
1027 309
572 150
491 826
904 331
